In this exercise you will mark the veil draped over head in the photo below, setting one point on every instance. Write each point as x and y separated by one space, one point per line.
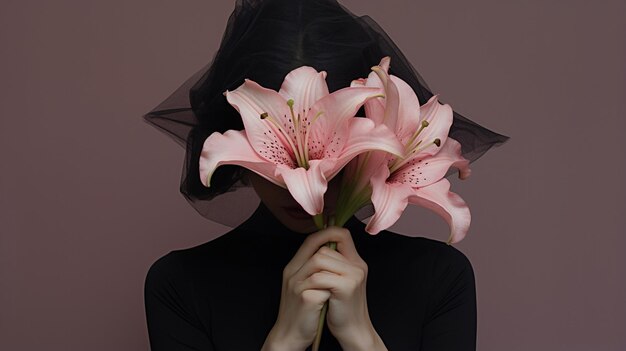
263 41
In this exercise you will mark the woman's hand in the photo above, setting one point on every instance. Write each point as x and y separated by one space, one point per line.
302 298
344 273
314 275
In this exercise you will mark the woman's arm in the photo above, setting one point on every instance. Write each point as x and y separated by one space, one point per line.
451 322
172 324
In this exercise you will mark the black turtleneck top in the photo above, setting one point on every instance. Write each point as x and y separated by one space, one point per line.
224 295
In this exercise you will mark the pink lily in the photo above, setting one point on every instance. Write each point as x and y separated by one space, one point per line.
299 137
418 177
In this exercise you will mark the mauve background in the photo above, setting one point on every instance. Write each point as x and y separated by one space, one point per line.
89 192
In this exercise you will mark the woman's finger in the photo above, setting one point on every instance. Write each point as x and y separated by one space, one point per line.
320 262
325 250
313 242
322 280
345 245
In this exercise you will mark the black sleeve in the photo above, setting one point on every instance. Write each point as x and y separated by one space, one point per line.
450 324
172 323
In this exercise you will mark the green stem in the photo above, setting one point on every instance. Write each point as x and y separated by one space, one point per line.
350 207
319 221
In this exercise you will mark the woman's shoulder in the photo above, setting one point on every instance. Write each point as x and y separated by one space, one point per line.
174 273
444 253
449 268
162 275
427 252
220 254
167 266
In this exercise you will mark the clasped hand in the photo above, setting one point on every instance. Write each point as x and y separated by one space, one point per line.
318 274
344 274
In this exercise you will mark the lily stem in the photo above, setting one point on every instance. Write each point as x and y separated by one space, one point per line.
319 221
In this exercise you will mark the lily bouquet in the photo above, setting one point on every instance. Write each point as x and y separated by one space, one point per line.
302 136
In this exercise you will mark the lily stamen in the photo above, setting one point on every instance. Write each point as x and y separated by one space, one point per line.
417 132
266 116
301 148
401 162
306 135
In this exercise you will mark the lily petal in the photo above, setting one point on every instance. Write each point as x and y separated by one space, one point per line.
305 86
359 82
364 136
307 186
408 111
328 132
422 171
251 100
450 206
392 97
389 200
360 170
375 108
233 148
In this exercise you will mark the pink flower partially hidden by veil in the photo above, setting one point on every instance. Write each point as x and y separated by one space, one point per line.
418 177
299 137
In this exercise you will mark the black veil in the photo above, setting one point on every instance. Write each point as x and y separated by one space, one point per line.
263 41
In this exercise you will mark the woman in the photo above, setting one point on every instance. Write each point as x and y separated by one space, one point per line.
262 285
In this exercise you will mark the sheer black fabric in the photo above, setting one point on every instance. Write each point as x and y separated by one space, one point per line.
225 294
263 41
